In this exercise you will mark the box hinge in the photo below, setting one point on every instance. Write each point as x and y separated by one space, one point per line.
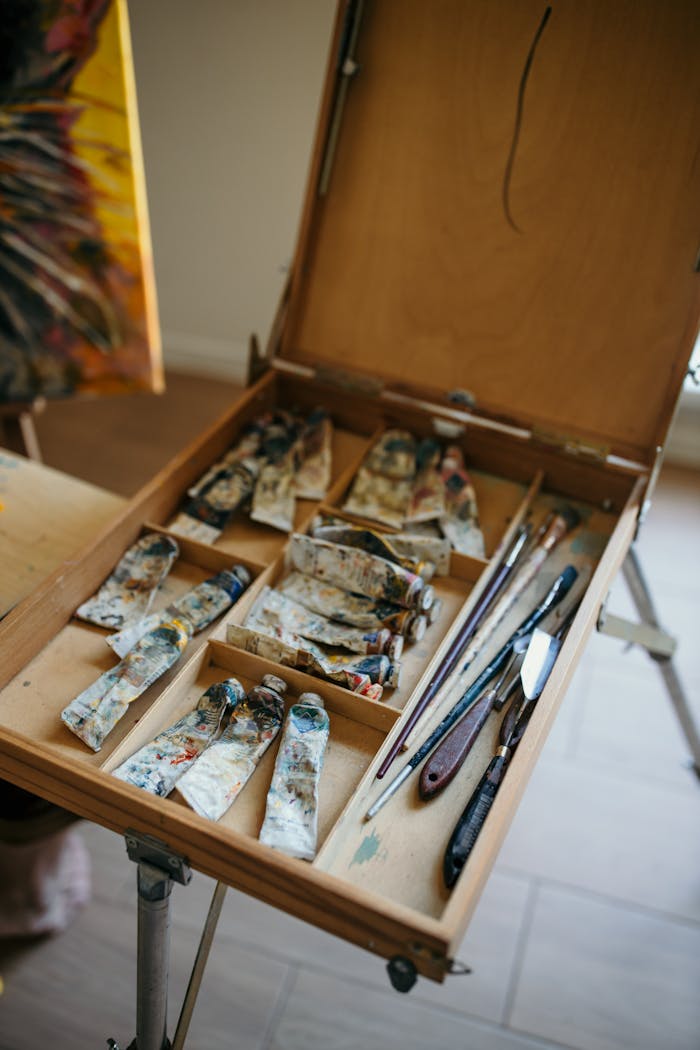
348 382
570 444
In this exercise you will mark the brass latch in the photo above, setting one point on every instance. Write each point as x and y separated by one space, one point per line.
569 443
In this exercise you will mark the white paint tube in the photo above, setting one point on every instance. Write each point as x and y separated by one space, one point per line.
357 571
316 627
216 779
93 714
282 647
381 490
291 810
314 475
373 543
200 606
338 604
156 767
127 594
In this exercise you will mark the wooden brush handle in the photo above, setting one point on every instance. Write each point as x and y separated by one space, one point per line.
447 758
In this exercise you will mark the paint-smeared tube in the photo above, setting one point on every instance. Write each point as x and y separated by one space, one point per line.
156 767
373 543
316 627
358 571
127 594
283 647
291 810
460 522
200 607
93 714
355 609
216 779
274 495
382 487
314 476
428 491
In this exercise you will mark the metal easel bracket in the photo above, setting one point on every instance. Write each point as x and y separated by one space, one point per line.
146 848
657 642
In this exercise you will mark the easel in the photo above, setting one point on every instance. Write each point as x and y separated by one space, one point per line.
159 867
17 430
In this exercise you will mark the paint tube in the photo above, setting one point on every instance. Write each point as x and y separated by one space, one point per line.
314 476
382 487
282 647
358 571
127 594
460 522
206 516
377 666
428 492
291 810
316 627
273 498
157 766
434 550
200 606
373 543
248 446
94 713
216 779
354 609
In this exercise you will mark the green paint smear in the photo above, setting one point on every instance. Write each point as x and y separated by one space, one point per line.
367 850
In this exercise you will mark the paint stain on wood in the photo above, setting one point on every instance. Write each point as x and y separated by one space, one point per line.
368 849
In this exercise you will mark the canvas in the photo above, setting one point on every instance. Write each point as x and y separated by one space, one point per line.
77 299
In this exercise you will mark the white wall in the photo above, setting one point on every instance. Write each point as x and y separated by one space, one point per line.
228 92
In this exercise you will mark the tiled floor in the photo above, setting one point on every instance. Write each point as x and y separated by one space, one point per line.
587 936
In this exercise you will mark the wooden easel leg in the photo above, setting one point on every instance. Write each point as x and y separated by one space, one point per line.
641 597
18 432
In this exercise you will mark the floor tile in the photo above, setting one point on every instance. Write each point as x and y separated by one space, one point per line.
587 827
600 977
330 1014
78 988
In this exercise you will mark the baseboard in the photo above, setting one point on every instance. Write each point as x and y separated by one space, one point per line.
201 355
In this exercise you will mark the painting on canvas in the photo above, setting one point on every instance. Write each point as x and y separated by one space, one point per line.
77 299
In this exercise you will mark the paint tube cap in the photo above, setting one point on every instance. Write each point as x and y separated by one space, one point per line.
382 639
415 627
394 647
242 574
435 610
426 598
310 700
425 569
271 681
393 675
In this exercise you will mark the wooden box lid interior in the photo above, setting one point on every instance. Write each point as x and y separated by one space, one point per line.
513 211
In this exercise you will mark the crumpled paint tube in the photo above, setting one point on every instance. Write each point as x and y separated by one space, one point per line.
314 476
200 606
215 780
382 487
223 488
97 710
419 547
338 604
282 647
316 627
376 666
460 522
291 810
127 594
428 492
373 543
274 495
358 571
156 767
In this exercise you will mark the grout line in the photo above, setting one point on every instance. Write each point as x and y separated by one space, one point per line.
287 987
546 882
520 949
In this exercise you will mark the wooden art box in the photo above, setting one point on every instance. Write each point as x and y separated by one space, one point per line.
499 248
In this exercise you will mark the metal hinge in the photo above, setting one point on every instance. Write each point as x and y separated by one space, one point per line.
145 848
569 443
348 382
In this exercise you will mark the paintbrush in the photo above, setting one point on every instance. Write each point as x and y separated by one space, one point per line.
558 590
456 650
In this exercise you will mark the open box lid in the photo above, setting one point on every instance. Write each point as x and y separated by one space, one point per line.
512 211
